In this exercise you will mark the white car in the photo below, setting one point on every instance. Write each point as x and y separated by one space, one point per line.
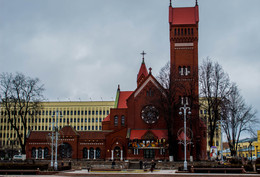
19 157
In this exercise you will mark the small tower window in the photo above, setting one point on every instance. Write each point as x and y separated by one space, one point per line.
116 120
123 120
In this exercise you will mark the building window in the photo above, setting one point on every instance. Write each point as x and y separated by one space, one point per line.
81 119
88 127
93 112
93 120
96 112
97 120
123 120
96 127
78 112
92 127
86 112
116 120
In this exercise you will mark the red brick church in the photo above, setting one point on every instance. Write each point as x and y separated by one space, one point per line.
138 128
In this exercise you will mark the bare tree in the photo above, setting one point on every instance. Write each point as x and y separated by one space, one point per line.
237 117
176 86
20 100
214 85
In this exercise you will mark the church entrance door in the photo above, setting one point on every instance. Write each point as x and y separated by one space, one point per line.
149 153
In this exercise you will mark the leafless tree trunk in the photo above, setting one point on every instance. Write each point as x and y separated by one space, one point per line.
237 117
214 85
175 87
20 100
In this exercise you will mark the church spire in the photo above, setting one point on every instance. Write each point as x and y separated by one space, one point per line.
170 3
196 2
142 71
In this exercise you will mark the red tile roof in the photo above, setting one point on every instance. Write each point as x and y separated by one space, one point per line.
107 118
142 72
183 15
68 131
138 134
39 135
123 96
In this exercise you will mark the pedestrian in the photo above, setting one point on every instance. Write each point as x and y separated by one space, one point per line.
113 164
152 165
62 163
141 164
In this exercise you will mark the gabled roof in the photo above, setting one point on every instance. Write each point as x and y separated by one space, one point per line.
107 118
39 135
68 131
142 72
148 79
123 96
184 15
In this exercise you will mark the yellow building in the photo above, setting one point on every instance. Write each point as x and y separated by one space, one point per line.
248 147
86 116
204 117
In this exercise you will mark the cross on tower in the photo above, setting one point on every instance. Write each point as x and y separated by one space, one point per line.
143 53
150 70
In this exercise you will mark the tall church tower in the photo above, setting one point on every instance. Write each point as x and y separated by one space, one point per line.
184 23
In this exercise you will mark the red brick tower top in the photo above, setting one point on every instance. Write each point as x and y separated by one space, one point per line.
142 72
184 22
183 15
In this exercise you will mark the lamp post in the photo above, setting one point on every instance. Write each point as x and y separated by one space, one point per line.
52 144
185 108
221 140
56 139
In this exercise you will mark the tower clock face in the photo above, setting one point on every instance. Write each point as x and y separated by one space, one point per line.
150 114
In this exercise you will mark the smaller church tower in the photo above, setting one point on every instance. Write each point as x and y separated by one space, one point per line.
142 72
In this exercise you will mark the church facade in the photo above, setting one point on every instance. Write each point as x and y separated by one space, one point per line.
145 123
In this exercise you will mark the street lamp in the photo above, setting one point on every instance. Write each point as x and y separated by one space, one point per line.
185 108
11 143
52 145
56 139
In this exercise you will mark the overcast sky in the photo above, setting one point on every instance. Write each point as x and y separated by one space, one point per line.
83 49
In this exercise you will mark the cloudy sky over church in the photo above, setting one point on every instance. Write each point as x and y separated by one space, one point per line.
82 49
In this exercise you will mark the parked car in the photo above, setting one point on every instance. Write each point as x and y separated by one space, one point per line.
21 157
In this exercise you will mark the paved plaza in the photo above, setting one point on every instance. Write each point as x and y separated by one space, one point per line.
141 173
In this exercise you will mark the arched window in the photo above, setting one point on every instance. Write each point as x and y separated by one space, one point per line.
117 152
33 152
39 152
91 153
116 120
46 152
65 150
122 120
85 153
98 153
